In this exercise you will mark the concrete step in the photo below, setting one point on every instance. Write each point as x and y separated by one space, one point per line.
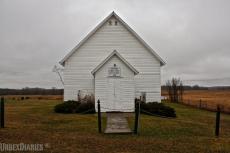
117 124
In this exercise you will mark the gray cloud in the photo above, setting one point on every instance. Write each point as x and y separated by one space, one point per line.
192 36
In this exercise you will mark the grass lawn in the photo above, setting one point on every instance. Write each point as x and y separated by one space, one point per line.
35 122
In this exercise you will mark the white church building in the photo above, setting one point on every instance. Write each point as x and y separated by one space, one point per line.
115 65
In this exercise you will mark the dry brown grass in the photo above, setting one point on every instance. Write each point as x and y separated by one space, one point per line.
207 99
34 121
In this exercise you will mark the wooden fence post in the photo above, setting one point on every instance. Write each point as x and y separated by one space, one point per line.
217 121
200 103
99 115
137 112
2 113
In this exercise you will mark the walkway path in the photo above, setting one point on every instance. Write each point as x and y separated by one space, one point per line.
117 123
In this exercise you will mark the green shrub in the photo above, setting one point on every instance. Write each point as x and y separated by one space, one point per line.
87 108
67 107
158 109
75 107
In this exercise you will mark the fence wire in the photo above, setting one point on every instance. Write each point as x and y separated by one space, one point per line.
174 118
85 112
117 109
149 113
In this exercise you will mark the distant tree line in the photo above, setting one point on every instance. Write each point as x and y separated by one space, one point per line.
197 87
31 91
54 91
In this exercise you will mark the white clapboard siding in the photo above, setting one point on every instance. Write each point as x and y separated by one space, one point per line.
124 87
78 67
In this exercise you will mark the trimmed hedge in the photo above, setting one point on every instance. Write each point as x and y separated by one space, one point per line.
157 108
75 107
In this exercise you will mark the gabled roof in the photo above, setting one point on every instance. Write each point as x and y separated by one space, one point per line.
120 57
162 62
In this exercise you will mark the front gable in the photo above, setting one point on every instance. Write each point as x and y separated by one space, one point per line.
114 64
116 27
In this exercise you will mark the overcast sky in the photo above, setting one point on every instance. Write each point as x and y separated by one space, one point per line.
192 36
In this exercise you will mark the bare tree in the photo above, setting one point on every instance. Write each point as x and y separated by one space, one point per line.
175 90
181 91
169 89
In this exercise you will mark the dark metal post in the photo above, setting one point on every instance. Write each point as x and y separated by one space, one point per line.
2 122
99 115
137 111
217 121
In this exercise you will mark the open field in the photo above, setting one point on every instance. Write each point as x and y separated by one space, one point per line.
208 99
31 121
33 97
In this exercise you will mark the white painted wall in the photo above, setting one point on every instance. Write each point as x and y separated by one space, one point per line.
77 72
115 93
